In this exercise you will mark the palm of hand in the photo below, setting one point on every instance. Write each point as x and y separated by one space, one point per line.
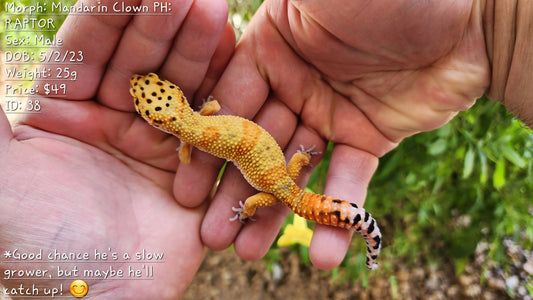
397 67
87 175
78 198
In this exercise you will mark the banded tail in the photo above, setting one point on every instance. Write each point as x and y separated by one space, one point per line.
341 213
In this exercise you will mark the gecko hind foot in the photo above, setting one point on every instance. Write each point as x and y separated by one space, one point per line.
239 216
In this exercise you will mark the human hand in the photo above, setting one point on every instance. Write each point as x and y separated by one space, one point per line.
362 75
88 174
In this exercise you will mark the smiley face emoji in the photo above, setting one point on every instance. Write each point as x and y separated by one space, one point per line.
79 288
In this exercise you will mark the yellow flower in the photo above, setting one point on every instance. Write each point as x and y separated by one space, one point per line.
297 232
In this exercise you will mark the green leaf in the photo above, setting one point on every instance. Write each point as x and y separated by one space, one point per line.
469 163
460 265
529 288
437 147
498 178
394 290
484 172
513 156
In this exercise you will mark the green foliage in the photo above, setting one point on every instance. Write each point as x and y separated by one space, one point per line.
529 287
435 191
240 13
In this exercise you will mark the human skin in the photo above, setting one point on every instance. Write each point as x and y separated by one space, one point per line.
89 173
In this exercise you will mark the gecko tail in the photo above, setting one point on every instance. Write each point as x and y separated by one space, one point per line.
367 227
341 213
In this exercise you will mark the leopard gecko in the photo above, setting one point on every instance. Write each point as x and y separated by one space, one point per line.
254 151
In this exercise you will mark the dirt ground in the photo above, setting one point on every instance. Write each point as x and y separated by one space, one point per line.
224 276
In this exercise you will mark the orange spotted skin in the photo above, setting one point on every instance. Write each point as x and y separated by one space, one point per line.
254 151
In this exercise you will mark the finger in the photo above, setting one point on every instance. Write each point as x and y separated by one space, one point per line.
218 63
90 40
193 50
147 41
217 231
5 128
194 181
192 187
349 174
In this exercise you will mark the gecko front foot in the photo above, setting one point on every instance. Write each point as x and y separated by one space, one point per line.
309 151
306 161
241 214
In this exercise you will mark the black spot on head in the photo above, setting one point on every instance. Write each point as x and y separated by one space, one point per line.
154 94
143 95
158 108
142 88
136 101
167 104
147 82
173 119
159 98
169 98
158 121
162 91
147 113
138 77
148 101
159 83
336 201
172 86
354 205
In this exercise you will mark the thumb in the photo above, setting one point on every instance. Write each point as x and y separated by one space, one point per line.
6 133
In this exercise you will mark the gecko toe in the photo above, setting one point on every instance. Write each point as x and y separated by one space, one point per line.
309 150
239 215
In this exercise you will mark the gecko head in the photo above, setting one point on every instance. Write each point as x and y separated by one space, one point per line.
157 101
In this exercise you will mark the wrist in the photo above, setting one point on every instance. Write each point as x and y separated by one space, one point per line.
508 25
